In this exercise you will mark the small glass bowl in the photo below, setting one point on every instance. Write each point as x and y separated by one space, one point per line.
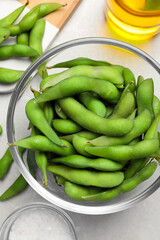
29 221
113 51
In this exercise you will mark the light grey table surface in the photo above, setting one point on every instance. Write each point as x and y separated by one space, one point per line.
141 221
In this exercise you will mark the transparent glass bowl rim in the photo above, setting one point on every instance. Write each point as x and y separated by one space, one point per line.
20 210
92 210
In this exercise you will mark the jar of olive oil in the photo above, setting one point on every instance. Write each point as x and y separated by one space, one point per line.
139 18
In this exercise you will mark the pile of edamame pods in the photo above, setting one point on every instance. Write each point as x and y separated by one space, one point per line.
28 33
95 127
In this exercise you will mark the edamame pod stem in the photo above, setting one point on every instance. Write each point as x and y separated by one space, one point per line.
23 38
142 149
141 124
93 104
42 162
11 18
36 36
92 122
126 186
85 134
122 153
78 84
17 50
42 143
78 161
75 191
79 61
36 116
66 126
10 75
101 72
129 77
86 177
4 34
156 106
144 96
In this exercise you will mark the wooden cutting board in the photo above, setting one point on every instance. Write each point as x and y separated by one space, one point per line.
59 17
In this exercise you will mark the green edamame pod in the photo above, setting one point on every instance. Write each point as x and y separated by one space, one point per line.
36 116
1 129
78 161
134 167
78 84
79 144
79 61
119 68
85 134
126 186
156 106
140 79
10 75
26 23
23 38
129 77
4 34
142 149
17 50
18 186
75 191
42 162
6 161
141 124
92 122
109 109
66 126
122 153
93 104
59 111
36 36
20 183
86 177
100 72
11 18
42 143
144 96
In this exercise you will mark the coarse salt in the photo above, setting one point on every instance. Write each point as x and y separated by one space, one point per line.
40 224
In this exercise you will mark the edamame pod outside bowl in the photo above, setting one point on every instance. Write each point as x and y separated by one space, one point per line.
109 53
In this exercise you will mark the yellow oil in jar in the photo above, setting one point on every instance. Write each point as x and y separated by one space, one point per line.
138 18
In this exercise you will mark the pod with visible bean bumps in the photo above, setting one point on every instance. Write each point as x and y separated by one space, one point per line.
86 177
101 72
42 143
92 122
10 75
126 186
78 161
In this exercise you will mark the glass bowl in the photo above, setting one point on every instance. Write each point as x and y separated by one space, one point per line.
111 50
38 221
